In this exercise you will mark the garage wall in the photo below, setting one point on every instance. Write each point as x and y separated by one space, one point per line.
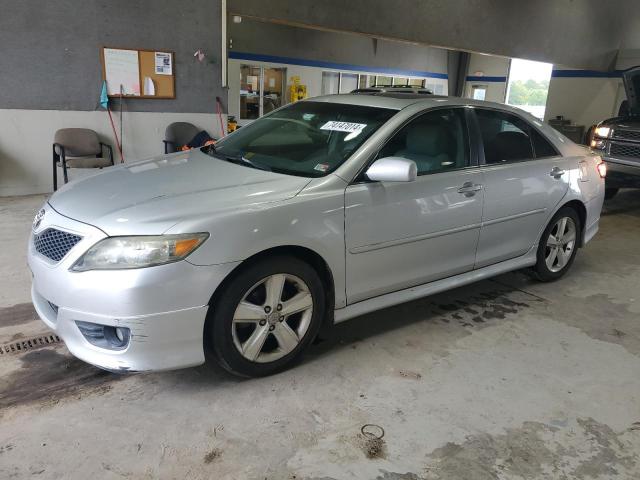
332 47
26 137
489 71
52 74
583 96
306 53
584 34
309 76
51 50
587 96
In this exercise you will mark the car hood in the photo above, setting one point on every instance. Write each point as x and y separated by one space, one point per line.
151 196
629 122
631 79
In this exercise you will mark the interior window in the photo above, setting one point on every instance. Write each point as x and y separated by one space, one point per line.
505 137
436 141
541 146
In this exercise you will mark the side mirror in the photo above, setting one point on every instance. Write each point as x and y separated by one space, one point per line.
392 169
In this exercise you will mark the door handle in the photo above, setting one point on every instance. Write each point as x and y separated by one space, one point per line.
556 172
469 189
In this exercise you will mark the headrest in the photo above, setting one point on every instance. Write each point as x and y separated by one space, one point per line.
511 146
427 139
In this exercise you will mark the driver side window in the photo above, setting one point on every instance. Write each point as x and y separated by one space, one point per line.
437 141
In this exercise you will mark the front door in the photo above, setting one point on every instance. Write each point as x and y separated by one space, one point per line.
524 177
400 235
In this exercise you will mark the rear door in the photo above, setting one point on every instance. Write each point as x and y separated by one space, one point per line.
525 177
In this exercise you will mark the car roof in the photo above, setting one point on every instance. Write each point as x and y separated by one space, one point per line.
398 101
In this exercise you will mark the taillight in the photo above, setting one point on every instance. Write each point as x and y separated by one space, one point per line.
602 169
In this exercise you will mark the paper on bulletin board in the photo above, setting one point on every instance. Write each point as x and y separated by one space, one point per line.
149 86
163 63
122 71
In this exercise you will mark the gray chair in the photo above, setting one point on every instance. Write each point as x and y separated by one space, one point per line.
78 148
178 134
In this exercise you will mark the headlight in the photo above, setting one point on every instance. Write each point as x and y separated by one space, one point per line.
116 253
603 132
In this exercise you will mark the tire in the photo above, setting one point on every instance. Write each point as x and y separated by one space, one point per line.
610 192
549 267
255 338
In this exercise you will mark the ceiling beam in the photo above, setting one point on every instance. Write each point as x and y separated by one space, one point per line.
574 33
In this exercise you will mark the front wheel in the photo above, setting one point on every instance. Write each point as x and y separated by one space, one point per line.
558 245
266 316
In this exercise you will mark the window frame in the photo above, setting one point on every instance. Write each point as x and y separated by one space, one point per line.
472 145
530 127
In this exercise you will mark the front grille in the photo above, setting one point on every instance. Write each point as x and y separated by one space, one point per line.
625 150
55 244
627 134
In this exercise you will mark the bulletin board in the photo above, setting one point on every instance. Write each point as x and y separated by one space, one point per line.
139 73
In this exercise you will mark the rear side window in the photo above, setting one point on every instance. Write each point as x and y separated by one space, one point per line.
505 137
541 146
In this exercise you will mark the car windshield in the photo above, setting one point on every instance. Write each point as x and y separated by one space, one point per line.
309 139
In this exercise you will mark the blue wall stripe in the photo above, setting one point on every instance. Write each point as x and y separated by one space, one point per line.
586 74
482 78
335 66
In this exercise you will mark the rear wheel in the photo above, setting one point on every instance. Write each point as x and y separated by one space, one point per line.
266 316
558 245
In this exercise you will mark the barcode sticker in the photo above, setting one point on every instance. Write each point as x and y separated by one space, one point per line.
343 126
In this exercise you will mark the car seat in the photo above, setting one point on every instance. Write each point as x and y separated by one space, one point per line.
507 146
430 146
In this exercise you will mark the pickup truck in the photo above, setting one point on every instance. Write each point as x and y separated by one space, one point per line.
617 139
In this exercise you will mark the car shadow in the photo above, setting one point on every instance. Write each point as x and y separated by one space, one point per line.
459 311
463 309
627 201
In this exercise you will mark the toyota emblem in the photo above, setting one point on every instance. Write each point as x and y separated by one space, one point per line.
38 219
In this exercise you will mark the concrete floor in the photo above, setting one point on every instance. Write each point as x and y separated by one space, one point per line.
505 379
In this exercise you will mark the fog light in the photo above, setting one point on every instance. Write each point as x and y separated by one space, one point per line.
105 336
120 334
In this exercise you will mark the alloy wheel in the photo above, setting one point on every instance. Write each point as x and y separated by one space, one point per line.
560 244
272 318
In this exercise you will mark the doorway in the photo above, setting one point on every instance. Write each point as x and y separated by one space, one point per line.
261 90
528 86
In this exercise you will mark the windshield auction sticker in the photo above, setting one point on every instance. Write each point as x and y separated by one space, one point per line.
343 126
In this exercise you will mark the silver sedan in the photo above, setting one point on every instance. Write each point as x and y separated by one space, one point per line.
321 211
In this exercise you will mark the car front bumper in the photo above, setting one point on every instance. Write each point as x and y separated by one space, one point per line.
164 307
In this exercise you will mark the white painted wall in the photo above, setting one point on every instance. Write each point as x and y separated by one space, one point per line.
26 137
628 58
588 100
584 101
489 66
309 76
